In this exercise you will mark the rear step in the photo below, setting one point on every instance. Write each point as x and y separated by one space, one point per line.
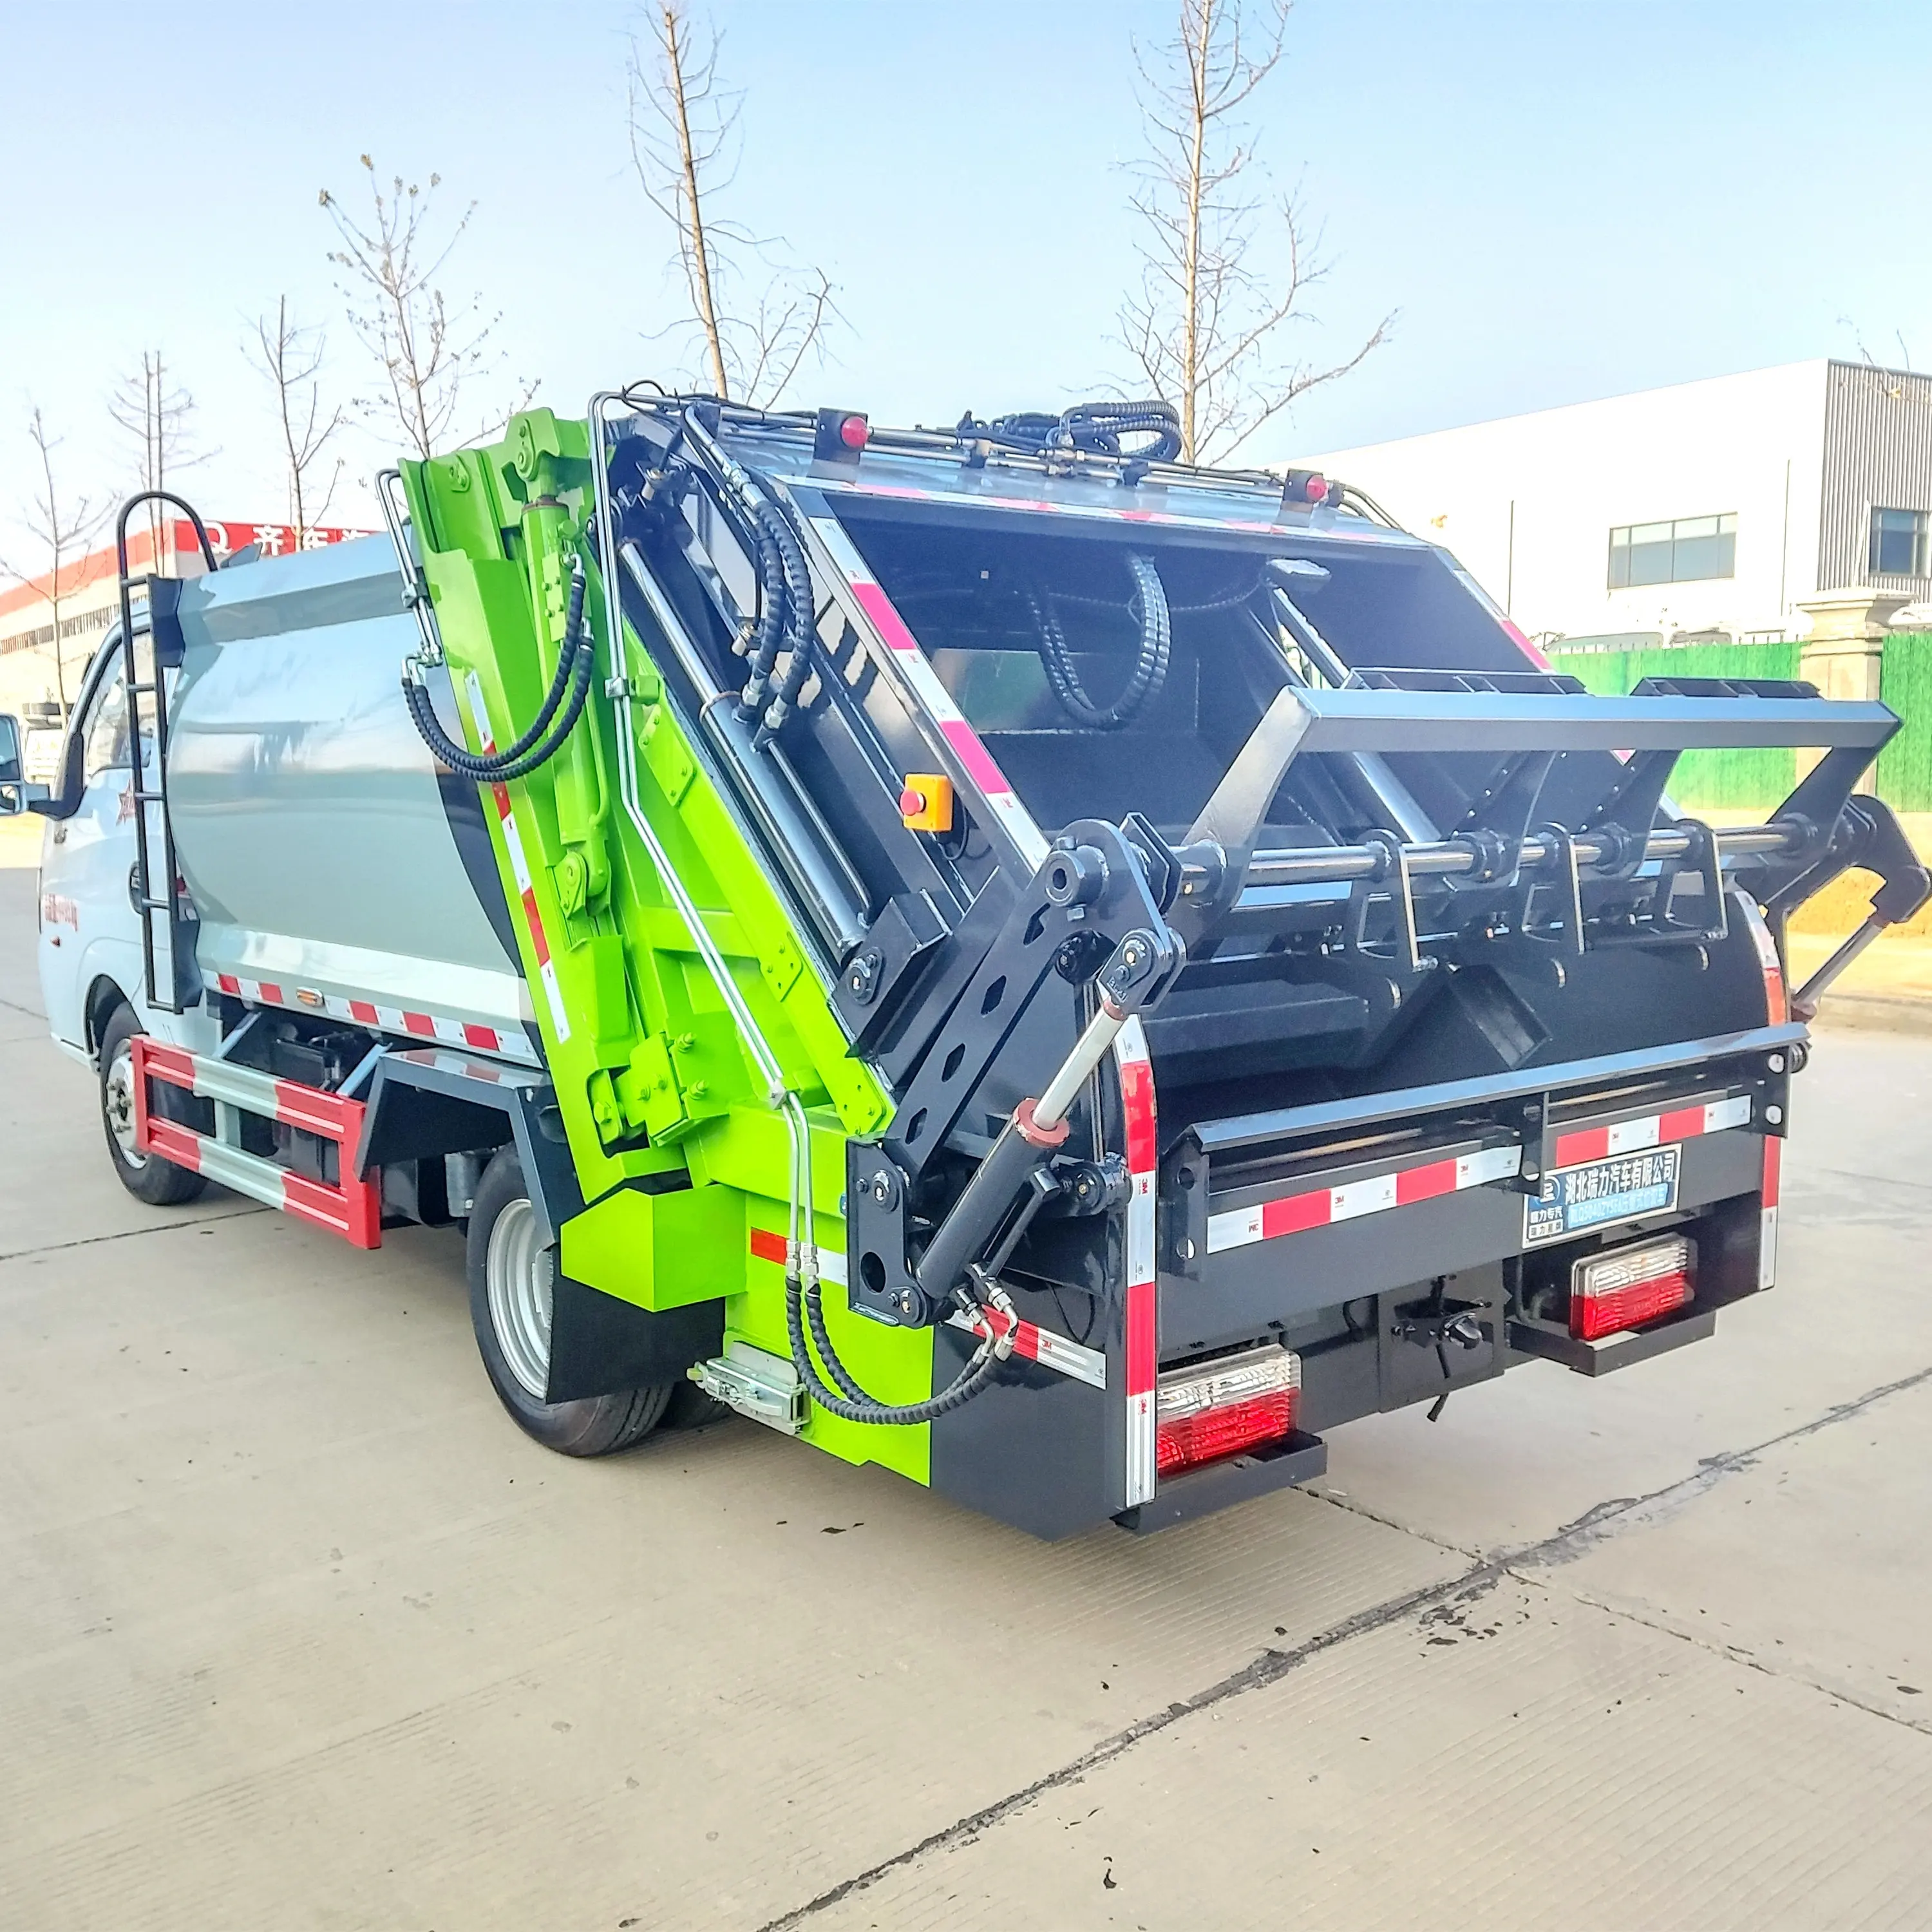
353 1208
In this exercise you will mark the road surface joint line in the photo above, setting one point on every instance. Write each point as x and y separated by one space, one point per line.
242 1210
1576 1539
1731 1653
1562 1545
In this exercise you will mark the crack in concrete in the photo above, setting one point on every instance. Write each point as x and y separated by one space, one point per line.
1563 1545
238 1212
1576 1539
1748 1659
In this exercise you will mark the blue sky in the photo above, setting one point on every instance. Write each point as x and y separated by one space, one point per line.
1564 200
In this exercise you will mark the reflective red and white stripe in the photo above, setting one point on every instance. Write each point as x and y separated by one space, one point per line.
1767 1232
972 753
353 1209
1142 1335
1678 1123
520 865
1033 1343
512 1045
1320 1206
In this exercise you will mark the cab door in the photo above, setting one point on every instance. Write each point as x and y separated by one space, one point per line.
89 928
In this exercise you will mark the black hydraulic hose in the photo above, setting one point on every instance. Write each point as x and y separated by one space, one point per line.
556 716
1149 671
798 612
858 1406
1096 428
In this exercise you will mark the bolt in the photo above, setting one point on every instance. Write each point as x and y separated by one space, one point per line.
1186 1249
1774 1114
1776 1062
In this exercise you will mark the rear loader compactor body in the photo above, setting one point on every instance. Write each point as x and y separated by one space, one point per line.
1064 974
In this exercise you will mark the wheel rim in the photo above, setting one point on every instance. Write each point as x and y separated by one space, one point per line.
117 1103
517 1271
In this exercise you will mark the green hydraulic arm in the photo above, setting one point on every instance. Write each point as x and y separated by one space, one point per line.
653 1082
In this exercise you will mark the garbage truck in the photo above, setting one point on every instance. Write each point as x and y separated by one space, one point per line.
1064 973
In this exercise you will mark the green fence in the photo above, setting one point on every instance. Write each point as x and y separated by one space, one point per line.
1708 780
1905 683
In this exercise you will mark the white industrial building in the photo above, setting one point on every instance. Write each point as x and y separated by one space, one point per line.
1710 508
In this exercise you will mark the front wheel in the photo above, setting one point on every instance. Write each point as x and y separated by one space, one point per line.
511 1271
145 1176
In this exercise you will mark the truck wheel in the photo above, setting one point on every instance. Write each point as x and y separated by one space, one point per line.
510 1275
146 1176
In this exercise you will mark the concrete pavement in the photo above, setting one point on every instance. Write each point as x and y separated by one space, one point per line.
297 1631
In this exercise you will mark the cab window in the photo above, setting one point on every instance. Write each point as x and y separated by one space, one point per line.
105 728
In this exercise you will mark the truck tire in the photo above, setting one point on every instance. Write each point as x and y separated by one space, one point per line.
160 1182
510 1276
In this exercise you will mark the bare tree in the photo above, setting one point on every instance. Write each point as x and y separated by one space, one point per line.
1205 325
61 529
291 358
429 349
685 143
154 413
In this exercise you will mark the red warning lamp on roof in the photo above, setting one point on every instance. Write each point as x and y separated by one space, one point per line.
839 435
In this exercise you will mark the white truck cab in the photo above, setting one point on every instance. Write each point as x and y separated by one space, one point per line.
92 981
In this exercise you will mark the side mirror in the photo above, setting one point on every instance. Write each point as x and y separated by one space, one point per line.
13 741
22 796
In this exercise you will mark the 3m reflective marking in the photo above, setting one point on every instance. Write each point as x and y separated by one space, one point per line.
353 1210
1679 1123
520 867
511 1045
1767 1194
923 681
1141 1339
1236 1227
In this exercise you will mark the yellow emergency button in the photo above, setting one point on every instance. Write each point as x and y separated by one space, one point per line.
925 802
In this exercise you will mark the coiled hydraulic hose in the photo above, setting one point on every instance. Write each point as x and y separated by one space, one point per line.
798 617
1149 671
849 1402
1094 427
556 716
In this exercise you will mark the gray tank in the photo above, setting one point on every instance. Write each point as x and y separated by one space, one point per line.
325 852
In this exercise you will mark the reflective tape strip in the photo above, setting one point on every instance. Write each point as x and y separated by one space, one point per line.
1321 1207
353 1210
520 865
1141 1338
1050 1351
1768 1193
967 747
503 1040
1680 1124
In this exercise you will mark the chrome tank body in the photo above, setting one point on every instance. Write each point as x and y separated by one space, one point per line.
324 849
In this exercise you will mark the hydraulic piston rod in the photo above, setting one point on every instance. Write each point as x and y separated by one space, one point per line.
1446 858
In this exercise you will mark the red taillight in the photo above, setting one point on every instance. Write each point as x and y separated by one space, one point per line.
1204 1413
1630 1286
853 431
1316 489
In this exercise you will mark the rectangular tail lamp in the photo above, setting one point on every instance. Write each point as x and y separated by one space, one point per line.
1205 1413
1626 1287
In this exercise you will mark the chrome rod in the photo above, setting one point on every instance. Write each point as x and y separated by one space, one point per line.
1340 864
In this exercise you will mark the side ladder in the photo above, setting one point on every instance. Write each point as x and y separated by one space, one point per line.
167 952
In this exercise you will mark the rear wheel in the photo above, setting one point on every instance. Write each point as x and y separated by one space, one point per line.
146 1176
511 1271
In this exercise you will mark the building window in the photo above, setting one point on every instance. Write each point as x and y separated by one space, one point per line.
1899 543
1682 552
